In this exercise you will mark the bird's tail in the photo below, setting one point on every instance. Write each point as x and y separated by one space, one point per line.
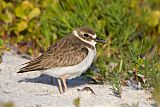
23 70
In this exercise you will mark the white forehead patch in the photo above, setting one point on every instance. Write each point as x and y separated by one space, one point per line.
93 43
94 36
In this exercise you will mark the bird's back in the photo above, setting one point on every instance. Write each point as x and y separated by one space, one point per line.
63 53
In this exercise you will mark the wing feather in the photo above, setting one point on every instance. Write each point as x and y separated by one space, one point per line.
65 52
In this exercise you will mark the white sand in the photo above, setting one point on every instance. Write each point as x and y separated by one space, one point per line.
35 90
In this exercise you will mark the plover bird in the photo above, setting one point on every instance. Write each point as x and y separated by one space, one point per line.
67 58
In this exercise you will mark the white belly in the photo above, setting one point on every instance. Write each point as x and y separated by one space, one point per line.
73 71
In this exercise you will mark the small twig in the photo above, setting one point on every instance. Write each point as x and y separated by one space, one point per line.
87 89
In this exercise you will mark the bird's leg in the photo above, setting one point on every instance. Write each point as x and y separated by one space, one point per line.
64 83
60 86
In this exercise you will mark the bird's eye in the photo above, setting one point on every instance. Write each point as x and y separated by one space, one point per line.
86 35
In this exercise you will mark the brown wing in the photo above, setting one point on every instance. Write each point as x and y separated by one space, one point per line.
65 52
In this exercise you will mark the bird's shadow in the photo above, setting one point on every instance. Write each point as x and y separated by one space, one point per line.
47 79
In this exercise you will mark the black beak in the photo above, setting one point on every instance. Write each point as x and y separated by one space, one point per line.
100 40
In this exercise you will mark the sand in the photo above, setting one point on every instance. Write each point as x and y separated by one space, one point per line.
36 90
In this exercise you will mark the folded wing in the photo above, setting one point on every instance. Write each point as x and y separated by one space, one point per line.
61 54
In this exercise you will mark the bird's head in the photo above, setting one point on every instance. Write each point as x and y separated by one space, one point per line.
88 35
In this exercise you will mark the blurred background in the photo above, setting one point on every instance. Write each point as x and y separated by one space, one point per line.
131 27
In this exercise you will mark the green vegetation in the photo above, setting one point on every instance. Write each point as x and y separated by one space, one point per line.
131 27
76 102
7 104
